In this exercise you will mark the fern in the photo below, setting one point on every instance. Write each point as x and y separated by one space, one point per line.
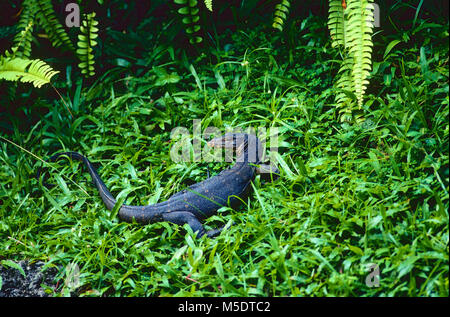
360 28
86 42
281 13
55 31
34 71
22 40
337 23
350 29
189 12
208 4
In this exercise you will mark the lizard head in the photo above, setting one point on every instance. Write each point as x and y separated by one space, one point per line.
226 141
247 146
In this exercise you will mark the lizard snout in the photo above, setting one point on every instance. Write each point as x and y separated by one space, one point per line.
211 143
216 142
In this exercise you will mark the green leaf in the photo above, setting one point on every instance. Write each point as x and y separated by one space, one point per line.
184 10
197 79
219 268
374 162
277 26
406 266
14 265
196 40
356 250
389 47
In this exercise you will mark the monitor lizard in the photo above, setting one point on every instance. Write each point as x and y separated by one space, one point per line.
201 200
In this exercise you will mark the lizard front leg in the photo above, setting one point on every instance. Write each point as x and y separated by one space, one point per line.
268 172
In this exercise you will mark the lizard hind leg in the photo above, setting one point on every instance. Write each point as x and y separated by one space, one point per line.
183 217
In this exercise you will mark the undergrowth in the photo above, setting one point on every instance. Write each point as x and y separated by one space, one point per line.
351 193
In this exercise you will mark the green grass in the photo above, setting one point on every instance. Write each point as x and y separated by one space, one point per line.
351 193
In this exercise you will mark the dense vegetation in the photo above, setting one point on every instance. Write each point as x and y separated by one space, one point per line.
358 186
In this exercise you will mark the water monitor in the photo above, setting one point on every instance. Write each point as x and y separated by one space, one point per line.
201 200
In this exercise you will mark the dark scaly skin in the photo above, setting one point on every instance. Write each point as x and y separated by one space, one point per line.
200 200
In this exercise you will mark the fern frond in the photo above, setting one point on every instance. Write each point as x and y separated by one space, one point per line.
281 13
337 23
32 71
360 29
208 4
22 47
189 12
22 40
351 29
344 83
47 19
86 42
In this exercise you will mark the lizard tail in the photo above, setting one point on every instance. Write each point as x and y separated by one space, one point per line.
105 194
141 214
